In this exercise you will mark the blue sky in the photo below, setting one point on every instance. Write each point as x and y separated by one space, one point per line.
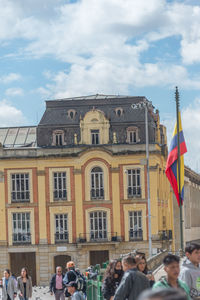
54 48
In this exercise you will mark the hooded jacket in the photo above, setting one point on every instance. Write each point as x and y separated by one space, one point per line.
162 283
190 274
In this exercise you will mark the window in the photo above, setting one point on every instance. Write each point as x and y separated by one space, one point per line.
95 137
71 113
119 111
134 183
20 187
60 186
97 188
135 225
98 225
132 135
21 228
58 138
61 228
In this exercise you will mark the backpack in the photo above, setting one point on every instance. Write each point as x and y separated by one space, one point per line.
81 282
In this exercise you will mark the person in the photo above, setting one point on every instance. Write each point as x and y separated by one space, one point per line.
9 289
190 269
72 290
142 267
24 285
172 269
112 278
56 284
163 294
73 275
133 282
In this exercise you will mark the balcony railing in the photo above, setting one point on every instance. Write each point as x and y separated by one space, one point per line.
60 195
21 238
136 235
97 194
98 237
62 237
134 192
20 196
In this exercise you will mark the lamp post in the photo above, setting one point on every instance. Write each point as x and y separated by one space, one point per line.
145 104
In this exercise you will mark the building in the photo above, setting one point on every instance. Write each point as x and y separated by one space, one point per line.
190 208
75 186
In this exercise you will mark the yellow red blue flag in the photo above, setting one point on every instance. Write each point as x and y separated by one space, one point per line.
172 162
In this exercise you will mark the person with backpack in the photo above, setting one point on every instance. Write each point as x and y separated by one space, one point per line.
74 275
72 290
172 269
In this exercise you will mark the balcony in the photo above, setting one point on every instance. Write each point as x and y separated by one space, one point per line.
21 238
60 195
136 235
97 194
133 192
61 237
98 237
20 197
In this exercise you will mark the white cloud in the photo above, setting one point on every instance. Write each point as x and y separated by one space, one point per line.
10 115
191 123
8 78
12 92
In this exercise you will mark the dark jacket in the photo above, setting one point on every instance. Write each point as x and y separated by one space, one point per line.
70 276
132 284
109 287
52 285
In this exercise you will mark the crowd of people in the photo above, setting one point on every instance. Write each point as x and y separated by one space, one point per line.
130 279
126 279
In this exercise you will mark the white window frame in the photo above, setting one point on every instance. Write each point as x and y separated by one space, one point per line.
21 227
20 187
59 185
61 228
135 225
58 138
134 183
97 183
95 136
98 225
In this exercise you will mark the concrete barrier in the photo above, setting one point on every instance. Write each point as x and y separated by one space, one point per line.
155 261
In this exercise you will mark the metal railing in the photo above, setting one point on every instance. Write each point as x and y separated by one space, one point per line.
98 237
134 192
20 196
97 194
61 237
60 195
136 235
21 238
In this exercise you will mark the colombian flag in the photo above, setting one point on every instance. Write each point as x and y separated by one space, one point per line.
172 162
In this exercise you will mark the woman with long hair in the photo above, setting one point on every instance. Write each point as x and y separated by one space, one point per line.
24 285
9 289
112 278
142 267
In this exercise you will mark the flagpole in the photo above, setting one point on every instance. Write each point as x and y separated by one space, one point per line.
179 172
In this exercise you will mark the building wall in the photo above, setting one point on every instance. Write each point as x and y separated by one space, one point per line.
190 210
77 157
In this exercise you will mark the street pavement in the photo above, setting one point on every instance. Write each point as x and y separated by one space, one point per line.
42 293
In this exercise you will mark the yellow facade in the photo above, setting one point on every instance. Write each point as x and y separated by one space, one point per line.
116 207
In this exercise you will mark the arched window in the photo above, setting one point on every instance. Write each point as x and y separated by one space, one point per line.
98 225
97 185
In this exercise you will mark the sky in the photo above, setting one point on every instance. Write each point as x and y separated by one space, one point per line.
53 49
